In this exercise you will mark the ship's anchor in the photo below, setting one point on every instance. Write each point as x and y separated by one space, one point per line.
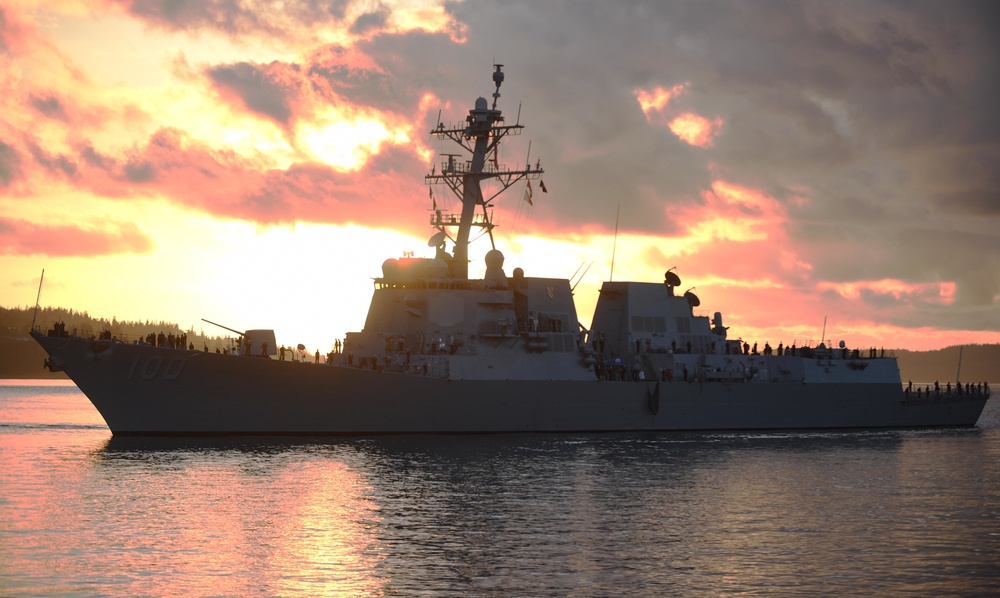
100 346
653 398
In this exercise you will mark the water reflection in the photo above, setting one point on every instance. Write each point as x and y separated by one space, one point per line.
274 518
494 515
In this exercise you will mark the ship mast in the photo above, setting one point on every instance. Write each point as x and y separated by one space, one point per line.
481 135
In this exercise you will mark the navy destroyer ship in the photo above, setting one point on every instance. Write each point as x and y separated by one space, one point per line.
441 352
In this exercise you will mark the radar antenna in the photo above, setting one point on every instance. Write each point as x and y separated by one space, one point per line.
498 79
481 134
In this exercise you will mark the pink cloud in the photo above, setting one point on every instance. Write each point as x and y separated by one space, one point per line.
172 165
942 293
749 268
20 237
15 34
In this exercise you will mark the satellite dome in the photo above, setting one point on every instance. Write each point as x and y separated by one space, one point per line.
494 259
481 104
390 268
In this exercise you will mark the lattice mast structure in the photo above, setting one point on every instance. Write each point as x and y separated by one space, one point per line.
484 129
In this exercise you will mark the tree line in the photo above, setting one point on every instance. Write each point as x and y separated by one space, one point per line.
15 322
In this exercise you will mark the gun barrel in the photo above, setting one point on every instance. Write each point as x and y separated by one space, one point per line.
239 332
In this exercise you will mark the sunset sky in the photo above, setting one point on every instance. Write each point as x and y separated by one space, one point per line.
254 162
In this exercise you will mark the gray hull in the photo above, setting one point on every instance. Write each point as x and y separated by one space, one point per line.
145 390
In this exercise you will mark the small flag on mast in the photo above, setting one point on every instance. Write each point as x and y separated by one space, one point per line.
541 184
527 195
434 202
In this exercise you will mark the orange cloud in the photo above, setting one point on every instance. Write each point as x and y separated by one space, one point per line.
20 237
746 198
296 25
695 130
733 213
320 123
286 144
691 128
656 100
429 18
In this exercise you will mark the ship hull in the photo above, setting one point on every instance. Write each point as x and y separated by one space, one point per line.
142 390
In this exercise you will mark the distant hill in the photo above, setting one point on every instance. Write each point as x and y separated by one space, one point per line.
23 358
20 357
980 363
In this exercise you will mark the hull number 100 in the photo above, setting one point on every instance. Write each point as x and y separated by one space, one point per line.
148 368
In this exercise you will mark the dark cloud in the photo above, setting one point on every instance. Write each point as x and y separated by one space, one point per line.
237 17
874 123
259 87
981 202
53 163
805 96
370 21
284 91
357 78
94 158
139 171
50 106
10 164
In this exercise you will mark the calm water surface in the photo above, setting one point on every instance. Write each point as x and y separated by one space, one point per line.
876 512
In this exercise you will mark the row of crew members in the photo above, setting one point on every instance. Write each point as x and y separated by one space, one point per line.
969 388
599 345
873 353
172 341
166 341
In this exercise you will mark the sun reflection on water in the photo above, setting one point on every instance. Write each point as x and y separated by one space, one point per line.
326 541
213 520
